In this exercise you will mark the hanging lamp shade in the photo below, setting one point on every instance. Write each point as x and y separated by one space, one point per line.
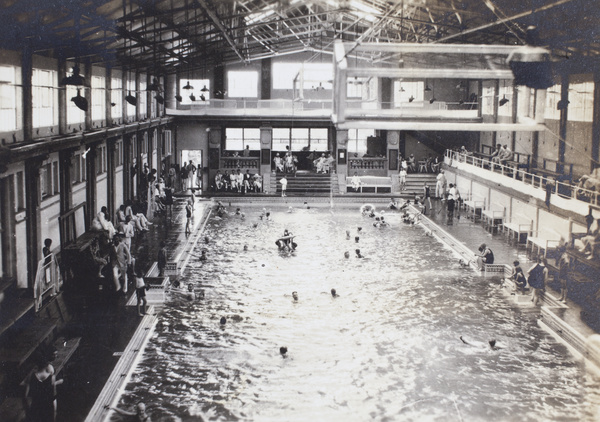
204 89
154 86
159 99
80 101
192 97
503 101
179 98
131 99
411 99
74 79
432 100
188 86
202 97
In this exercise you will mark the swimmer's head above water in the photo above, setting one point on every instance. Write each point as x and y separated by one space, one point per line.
283 350
295 295
346 254
334 293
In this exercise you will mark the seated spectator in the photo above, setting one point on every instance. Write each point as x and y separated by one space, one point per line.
102 224
233 180
412 163
329 161
485 256
320 163
121 214
140 221
495 153
435 165
278 161
355 182
518 277
257 182
219 181
507 155
589 242
226 181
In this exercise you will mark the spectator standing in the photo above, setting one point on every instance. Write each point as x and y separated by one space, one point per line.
191 174
184 173
564 263
440 185
172 176
47 251
537 277
140 292
402 178
162 258
40 390
284 183
123 260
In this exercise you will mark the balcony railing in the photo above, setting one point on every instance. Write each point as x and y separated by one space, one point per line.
527 177
251 163
251 107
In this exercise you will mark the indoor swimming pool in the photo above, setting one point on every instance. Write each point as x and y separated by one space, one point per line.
387 348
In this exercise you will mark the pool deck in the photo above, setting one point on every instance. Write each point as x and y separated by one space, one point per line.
98 362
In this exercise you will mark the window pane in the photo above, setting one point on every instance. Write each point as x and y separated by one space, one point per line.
198 90
116 97
281 139
252 139
242 84
233 139
299 138
318 139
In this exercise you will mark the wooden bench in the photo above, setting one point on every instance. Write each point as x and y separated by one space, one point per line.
519 226
17 350
475 206
545 239
493 217
546 172
380 184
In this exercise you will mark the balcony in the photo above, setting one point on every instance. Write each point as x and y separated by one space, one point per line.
243 107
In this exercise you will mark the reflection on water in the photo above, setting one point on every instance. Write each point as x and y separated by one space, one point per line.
386 349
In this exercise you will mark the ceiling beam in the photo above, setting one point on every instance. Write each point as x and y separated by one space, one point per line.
213 16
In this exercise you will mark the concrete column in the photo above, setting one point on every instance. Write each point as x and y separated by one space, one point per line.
91 193
562 128
62 99
108 95
495 105
87 93
127 173
111 187
266 143
341 137
66 191
32 216
595 151
7 221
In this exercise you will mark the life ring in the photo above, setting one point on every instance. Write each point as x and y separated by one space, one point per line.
367 208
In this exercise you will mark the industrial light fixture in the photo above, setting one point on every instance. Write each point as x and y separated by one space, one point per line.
188 86
80 101
427 89
204 89
562 105
411 99
131 99
74 79
113 104
192 97
432 100
503 101
154 86
159 99
202 97
179 98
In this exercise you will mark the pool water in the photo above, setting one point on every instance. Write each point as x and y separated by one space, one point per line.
386 349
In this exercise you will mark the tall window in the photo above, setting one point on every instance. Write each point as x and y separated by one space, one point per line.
404 91
74 114
505 92
238 138
581 98
552 98
242 83
487 99
314 74
131 91
313 139
201 89
8 99
116 97
98 98
44 97
357 141
143 98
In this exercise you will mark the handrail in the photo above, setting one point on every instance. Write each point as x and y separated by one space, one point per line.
565 190
47 277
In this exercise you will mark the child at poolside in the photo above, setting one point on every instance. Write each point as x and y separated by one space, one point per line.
140 292
518 277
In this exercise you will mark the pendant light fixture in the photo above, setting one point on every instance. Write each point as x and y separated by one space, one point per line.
80 101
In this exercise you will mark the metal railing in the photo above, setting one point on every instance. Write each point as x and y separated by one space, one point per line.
556 187
47 278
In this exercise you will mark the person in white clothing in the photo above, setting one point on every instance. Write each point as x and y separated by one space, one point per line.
440 185
284 183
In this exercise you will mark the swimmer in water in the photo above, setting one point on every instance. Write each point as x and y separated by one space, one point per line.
139 414
245 247
206 239
334 293
346 254
358 255
347 234
191 295
283 350
491 344
295 296
287 241
359 229
223 321
238 211
290 209
356 239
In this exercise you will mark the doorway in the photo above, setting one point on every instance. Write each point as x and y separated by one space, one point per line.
195 156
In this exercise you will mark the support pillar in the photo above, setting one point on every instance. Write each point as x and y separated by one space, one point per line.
111 187
562 128
266 142
91 191
62 99
88 95
595 150
27 76
495 105
127 173
33 217
8 235
341 137
67 231
108 95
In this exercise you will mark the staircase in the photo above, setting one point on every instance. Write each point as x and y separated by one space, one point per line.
415 183
304 184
